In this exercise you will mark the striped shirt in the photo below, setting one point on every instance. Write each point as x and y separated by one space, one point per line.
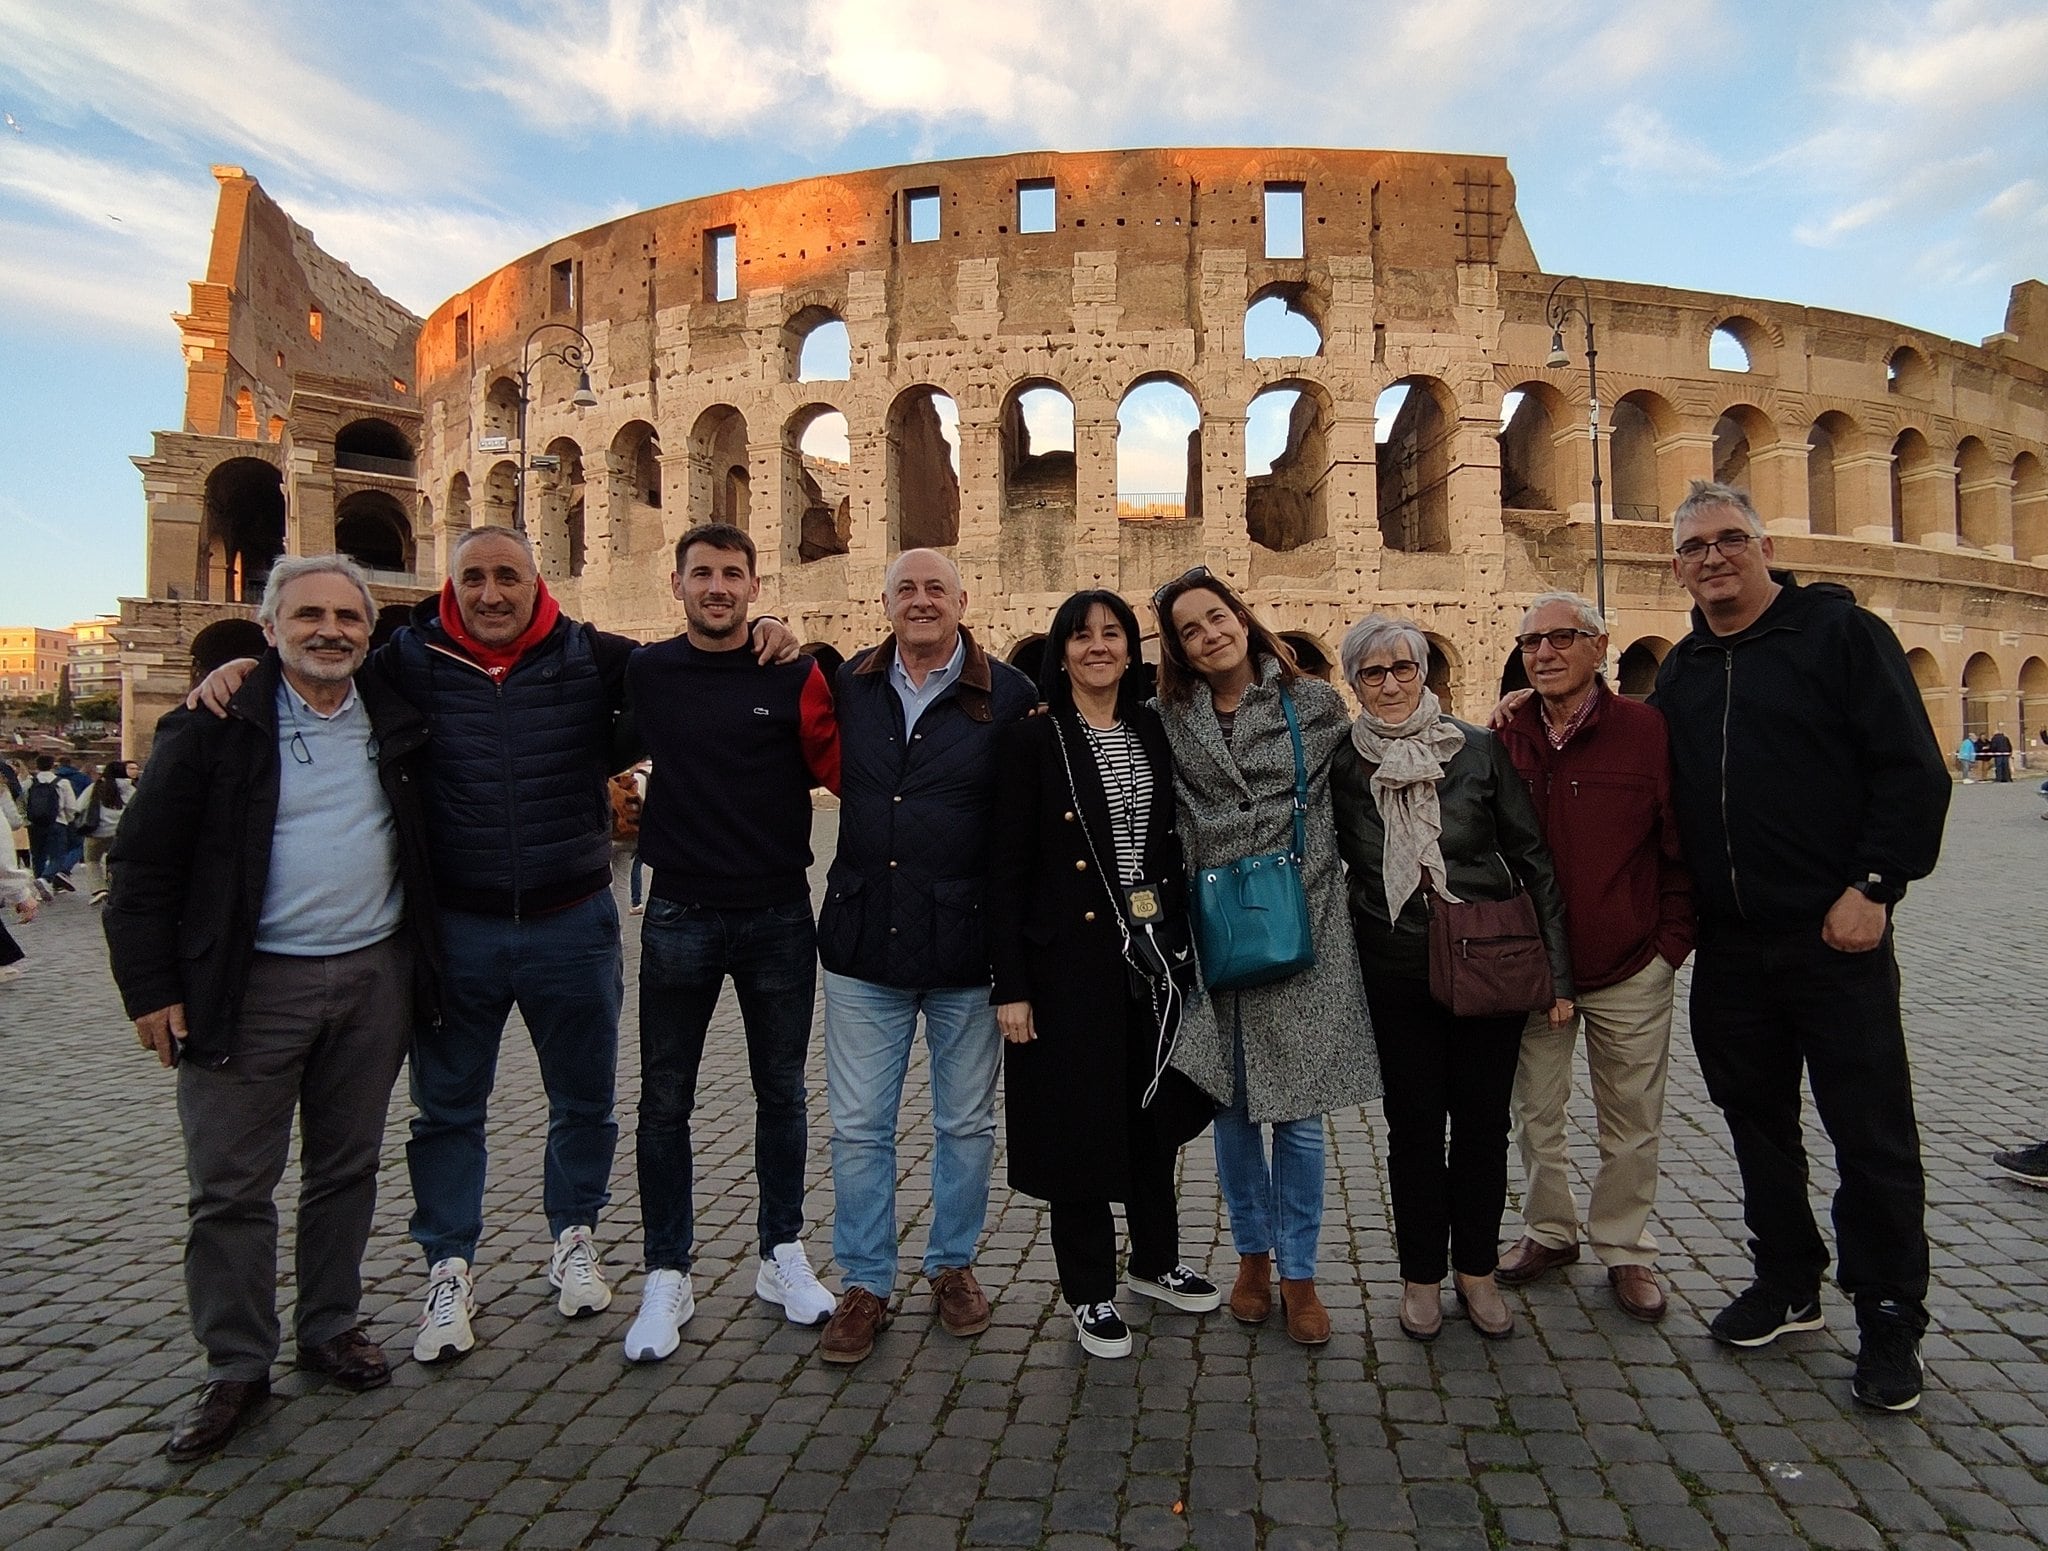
1127 781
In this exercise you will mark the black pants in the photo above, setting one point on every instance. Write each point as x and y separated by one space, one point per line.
1766 1004
10 951
1439 1068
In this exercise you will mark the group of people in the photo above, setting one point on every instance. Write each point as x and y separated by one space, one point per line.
1995 750
345 858
66 816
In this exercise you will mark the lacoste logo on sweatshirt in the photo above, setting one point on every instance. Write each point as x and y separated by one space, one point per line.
760 710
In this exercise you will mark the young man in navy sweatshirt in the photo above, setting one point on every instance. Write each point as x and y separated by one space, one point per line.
726 831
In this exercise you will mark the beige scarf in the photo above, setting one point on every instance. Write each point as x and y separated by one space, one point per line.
1409 759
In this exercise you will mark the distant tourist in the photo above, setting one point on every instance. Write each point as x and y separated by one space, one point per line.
2000 749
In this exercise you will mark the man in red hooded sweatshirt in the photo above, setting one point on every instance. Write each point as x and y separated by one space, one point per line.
524 705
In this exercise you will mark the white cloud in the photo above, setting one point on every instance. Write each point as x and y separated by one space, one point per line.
1644 148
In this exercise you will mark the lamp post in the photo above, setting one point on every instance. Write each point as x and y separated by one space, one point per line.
570 352
1558 311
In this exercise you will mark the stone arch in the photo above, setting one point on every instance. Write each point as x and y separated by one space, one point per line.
1739 343
500 507
1908 373
222 642
1287 502
1446 670
1037 465
1283 321
501 408
1514 673
921 480
816 346
373 445
1636 673
1740 434
1028 656
1983 695
2033 702
1832 438
1531 427
1418 415
2030 509
817 486
1922 491
558 510
1644 477
1311 655
372 529
633 489
1934 694
1983 515
1159 449
243 531
455 512
720 484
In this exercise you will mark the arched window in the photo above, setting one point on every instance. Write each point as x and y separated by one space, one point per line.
1641 420
456 511
501 496
1311 655
2030 509
373 446
923 474
817 482
1639 664
1921 498
1983 697
372 529
1278 323
1981 497
2033 702
1907 373
1444 671
1414 421
1833 437
816 346
719 480
1530 417
1158 452
1037 426
633 496
1287 466
1739 434
501 408
244 530
557 509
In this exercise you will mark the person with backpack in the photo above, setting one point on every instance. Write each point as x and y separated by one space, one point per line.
47 807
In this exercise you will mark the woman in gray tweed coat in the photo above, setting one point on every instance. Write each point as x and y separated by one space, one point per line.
1281 1055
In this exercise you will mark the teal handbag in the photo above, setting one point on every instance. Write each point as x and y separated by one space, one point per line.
1251 916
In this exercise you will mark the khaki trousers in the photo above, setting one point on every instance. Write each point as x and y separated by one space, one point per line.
1628 1049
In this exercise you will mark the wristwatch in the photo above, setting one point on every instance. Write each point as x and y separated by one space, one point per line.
1875 889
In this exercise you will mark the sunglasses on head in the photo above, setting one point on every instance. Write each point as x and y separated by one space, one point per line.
1181 583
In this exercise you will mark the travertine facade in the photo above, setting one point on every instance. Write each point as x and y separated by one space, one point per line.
1907 465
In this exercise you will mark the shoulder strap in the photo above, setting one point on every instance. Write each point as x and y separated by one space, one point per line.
1300 776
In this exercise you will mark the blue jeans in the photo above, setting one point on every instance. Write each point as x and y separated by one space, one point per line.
633 879
868 1034
47 844
1275 1209
686 951
563 971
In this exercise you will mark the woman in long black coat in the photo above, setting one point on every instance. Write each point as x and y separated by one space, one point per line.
1085 857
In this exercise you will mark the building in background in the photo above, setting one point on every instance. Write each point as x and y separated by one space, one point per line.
95 659
32 660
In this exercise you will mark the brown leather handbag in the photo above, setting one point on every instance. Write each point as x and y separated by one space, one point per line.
1486 957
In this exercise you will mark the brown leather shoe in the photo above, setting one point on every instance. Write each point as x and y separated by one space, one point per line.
351 1359
850 1332
962 1305
1307 1320
1483 1306
1529 1260
218 1414
1251 1300
1422 1310
1636 1292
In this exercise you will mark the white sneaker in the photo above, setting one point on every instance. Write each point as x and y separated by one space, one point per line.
451 1304
576 1270
787 1279
1102 1330
666 1304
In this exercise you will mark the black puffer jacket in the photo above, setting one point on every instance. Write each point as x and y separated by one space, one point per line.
1802 759
516 772
192 858
905 898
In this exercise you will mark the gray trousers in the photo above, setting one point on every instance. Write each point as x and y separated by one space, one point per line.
322 1037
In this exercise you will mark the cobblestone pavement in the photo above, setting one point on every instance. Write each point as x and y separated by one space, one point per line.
1588 1430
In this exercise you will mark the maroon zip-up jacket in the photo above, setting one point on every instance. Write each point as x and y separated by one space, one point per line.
1604 800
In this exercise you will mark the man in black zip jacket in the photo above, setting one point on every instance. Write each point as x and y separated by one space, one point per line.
271 928
1809 791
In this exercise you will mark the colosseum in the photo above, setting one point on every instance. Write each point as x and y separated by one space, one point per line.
1385 403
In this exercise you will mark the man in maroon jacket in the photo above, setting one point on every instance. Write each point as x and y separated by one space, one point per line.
1599 771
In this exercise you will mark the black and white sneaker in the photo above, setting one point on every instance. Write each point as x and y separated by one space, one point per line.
1102 1330
2028 1165
1182 1288
1762 1314
1888 1367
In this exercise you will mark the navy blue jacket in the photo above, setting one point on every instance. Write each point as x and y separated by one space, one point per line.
1801 759
905 900
515 778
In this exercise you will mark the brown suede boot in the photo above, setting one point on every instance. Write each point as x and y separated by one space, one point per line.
1307 1320
1251 1300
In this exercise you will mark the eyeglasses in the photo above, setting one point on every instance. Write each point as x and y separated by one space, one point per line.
1560 640
1403 672
1180 583
1693 551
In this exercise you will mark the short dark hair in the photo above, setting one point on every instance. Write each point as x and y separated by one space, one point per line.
1177 676
719 535
44 762
1054 687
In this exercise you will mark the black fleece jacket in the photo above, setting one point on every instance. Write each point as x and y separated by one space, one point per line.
1802 759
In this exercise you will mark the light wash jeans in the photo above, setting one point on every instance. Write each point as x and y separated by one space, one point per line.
1275 1208
869 1029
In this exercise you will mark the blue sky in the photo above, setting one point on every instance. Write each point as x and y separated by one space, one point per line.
1883 158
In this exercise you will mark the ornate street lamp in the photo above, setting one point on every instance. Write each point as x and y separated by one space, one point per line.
1558 311
574 353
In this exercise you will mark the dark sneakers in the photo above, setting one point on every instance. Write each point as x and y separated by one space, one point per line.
1888 1366
1762 1314
2028 1165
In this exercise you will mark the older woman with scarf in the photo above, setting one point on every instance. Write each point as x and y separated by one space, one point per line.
1278 1056
1094 972
1429 805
